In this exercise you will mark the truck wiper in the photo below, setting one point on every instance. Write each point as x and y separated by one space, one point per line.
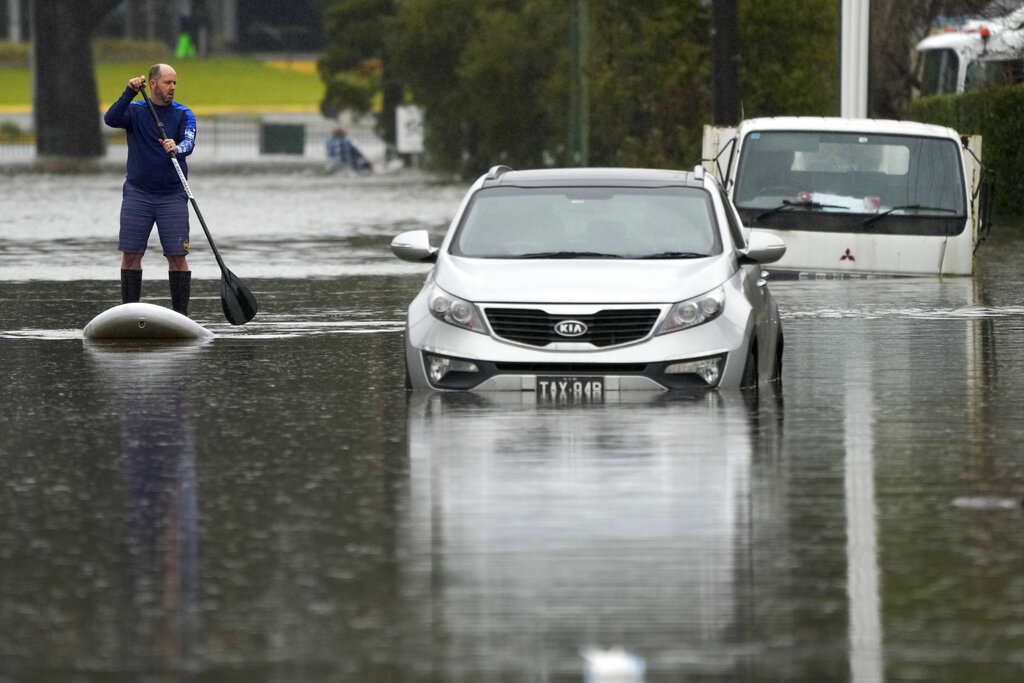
673 254
568 254
800 204
902 207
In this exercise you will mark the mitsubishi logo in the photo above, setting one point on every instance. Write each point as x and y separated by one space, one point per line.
570 328
847 256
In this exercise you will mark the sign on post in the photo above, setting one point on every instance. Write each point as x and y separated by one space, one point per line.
409 129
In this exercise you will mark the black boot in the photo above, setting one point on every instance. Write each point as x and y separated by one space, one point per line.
181 287
131 286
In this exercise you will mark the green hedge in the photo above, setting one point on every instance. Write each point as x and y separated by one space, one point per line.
13 55
996 115
129 50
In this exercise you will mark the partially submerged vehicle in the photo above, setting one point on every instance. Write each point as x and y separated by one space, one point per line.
572 283
856 197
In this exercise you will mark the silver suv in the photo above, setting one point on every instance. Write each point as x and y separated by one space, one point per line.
577 283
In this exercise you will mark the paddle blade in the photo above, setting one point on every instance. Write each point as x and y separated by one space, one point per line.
239 304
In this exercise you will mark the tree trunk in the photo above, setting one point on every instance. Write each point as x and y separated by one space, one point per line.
64 101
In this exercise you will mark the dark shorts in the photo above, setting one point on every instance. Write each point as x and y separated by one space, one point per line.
140 209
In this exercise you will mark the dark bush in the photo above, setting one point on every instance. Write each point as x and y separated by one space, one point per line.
996 115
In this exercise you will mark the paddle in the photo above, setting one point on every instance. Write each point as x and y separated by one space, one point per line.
239 304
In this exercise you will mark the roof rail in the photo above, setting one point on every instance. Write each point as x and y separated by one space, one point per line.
698 172
496 171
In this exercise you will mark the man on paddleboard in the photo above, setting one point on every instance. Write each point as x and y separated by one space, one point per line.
152 192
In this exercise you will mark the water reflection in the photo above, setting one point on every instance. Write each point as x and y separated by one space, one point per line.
870 530
535 531
161 534
862 584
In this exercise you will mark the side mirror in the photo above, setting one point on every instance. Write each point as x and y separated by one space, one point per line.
764 247
414 246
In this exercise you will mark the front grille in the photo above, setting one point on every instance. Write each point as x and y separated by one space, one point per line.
604 328
571 368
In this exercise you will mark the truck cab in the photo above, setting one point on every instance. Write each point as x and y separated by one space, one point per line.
979 54
856 197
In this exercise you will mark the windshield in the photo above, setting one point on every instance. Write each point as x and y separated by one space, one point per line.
938 71
588 222
993 73
824 171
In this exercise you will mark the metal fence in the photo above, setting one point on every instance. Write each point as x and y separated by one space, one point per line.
228 138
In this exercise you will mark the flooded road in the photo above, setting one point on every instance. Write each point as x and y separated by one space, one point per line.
273 506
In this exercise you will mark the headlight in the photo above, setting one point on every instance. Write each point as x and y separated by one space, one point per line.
455 311
695 311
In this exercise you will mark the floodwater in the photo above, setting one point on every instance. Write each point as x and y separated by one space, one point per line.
273 506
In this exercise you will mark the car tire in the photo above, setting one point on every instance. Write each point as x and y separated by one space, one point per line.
749 379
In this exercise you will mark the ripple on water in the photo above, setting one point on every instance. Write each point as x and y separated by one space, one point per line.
868 312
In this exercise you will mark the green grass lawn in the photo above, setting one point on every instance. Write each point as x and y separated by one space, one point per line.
205 85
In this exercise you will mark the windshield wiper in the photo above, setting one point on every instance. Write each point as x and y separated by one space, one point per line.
569 254
673 254
800 204
919 207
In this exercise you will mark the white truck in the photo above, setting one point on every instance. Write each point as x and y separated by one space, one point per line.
856 197
980 53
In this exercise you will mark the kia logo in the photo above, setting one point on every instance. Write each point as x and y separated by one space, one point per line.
570 328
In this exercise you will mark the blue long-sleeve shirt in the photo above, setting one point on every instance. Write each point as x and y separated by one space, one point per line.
149 166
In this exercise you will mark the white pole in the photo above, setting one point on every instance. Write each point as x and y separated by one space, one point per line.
854 59
229 17
150 20
14 20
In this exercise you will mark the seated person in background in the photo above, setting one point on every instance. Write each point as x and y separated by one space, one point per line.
342 154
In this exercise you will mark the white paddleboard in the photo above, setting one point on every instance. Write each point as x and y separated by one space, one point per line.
143 321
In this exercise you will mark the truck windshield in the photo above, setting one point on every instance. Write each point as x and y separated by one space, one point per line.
993 73
848 173
939 70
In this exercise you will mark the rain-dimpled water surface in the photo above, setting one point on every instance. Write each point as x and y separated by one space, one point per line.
273 506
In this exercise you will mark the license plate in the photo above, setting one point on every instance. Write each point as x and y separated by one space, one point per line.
560 388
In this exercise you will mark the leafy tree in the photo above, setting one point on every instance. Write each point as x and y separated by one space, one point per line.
789 52
494 78
356 66
426 40
650 90
509 60
65 102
